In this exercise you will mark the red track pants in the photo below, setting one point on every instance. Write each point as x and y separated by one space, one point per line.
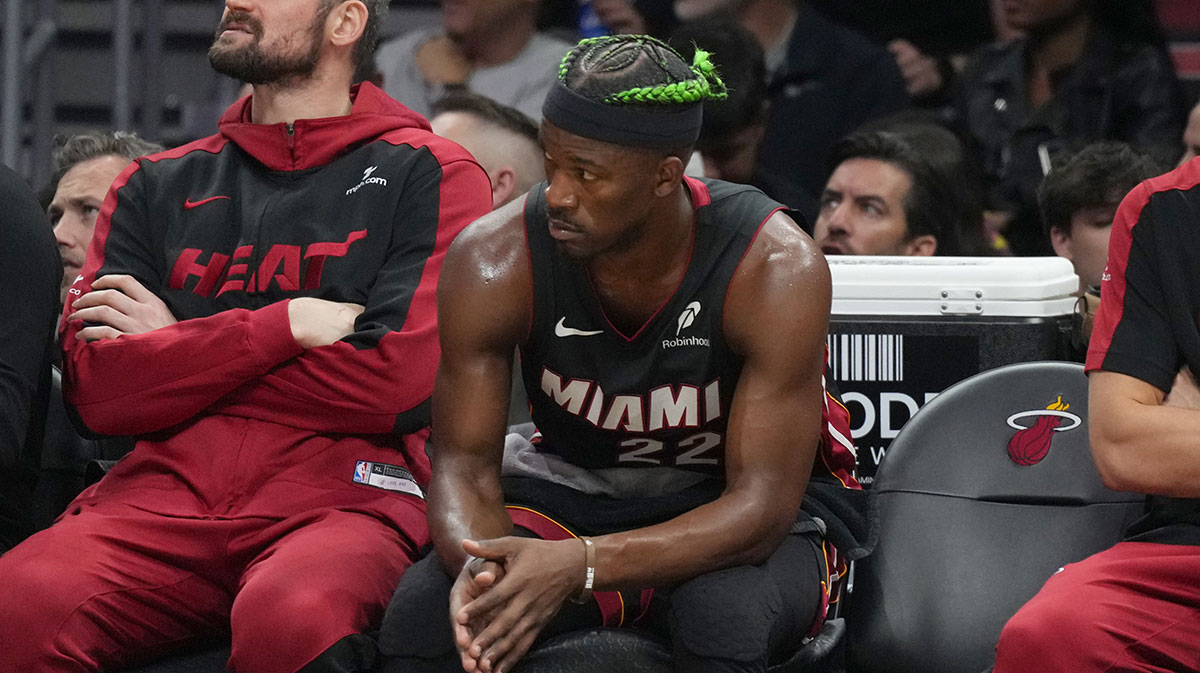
1135 607
111 584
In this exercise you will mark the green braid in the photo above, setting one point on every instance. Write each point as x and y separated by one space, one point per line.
707 85
574 53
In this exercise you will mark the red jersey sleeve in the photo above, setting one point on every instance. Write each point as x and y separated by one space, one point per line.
1148 289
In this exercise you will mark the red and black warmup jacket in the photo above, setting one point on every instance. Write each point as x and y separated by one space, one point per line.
1149 307
233 417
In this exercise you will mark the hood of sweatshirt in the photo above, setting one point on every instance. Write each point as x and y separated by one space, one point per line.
309 143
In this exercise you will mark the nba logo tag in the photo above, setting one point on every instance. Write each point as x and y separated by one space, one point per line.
362 470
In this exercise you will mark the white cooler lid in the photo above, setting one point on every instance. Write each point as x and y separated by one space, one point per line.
996 286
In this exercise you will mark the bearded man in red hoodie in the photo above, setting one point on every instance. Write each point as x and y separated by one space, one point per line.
257 307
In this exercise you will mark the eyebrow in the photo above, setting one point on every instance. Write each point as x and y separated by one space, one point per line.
864 199
569 156
79 202
872 199
581 160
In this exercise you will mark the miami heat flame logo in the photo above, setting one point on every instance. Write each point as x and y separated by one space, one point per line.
1031 444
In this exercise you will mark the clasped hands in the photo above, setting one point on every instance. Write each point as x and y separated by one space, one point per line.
507 592
118 305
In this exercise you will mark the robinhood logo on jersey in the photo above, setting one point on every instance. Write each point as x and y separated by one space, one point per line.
684 321
367 180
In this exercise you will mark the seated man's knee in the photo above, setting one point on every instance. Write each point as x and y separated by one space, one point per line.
38 596
1033 636
36 584
725 614
281 608
279 625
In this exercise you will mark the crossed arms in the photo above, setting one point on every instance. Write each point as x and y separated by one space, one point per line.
290 361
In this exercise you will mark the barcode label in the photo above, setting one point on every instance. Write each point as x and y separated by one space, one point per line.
866 357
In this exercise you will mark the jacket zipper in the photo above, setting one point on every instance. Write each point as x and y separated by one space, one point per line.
291 138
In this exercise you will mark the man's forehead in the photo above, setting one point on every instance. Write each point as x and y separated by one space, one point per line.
588 150
869 174
91 176
1103 213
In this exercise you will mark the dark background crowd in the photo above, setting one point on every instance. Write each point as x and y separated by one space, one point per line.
1022 84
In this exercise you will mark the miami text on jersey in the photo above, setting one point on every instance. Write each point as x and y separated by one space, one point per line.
681 406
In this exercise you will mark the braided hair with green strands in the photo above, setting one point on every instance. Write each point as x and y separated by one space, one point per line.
633 90
638 70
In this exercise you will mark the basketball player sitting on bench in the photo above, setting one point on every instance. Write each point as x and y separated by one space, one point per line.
672 336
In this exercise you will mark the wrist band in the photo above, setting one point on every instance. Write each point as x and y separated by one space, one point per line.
589 578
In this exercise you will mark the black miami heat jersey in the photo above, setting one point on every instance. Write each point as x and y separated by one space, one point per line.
659 397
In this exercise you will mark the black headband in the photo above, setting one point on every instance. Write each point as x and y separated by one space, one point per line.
622 124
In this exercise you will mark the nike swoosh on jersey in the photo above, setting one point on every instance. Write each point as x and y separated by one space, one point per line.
188 204
561 330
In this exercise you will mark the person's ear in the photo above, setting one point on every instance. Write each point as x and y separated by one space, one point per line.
922 246
504 183
346 23
670 174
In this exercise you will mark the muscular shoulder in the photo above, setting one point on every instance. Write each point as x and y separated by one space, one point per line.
783 253
487 272
782 281
492 246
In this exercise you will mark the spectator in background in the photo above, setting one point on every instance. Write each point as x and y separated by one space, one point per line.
733 126
1087 70
85 165
491 47
930 39
1079 198
950 156
1191 135
824 82
29 278
884 197
502 139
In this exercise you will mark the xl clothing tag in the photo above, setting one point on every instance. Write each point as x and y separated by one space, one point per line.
387 477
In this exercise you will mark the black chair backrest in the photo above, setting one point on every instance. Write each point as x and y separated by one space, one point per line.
985 493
